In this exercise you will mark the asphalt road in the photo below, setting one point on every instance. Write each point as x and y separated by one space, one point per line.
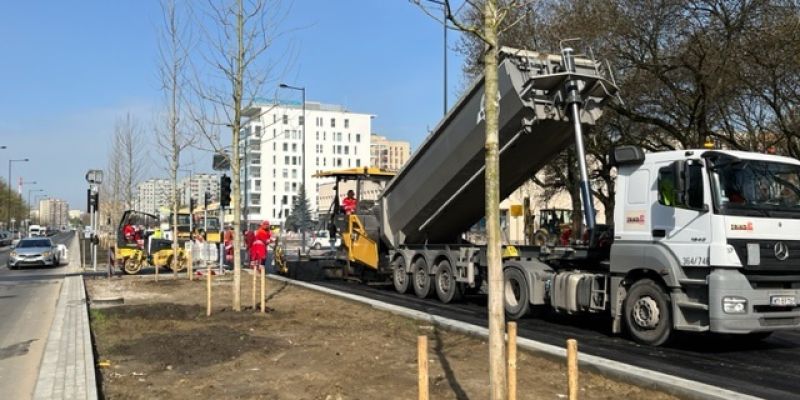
768 369
27 305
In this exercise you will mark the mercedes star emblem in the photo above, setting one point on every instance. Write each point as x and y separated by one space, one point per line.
781 251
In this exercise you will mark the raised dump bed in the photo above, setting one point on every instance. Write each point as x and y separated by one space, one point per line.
440 192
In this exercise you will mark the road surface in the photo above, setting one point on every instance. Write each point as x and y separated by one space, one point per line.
27 304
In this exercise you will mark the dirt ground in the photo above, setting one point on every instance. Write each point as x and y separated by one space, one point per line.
160 344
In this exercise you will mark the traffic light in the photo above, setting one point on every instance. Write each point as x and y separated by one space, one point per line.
206 200
225 191
192 204
92 201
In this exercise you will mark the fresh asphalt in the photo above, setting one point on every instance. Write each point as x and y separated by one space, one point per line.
768 369
28 300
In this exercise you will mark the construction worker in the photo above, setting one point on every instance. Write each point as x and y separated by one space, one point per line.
258 250
349 203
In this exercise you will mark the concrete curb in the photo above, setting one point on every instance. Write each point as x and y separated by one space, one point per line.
67 370
639 376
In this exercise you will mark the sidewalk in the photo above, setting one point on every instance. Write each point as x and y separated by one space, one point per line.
67 370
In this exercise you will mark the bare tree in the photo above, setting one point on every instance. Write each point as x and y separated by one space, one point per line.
173 138
237 35
488 30
127 161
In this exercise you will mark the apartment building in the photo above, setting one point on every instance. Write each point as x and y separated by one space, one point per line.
277 157
388 154
152 195
53 212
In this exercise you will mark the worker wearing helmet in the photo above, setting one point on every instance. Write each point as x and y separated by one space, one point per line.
349 203
258 252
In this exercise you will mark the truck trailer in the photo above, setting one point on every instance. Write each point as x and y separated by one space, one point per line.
701 241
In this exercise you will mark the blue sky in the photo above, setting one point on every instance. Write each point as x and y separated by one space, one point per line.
69 70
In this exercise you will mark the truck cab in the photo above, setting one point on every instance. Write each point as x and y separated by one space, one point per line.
714 230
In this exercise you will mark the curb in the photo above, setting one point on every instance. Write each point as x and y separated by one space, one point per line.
635 375
67 369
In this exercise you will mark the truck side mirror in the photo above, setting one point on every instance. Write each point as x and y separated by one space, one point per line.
692 181
679 176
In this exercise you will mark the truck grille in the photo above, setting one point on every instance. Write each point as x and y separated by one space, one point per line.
775 264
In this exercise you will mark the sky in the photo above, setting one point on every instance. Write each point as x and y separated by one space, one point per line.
70 70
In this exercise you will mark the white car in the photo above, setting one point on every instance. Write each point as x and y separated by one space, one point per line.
322 239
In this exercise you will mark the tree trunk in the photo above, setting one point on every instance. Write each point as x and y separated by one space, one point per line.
497 366
238 90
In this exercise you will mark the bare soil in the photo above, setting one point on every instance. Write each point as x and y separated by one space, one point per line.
160 344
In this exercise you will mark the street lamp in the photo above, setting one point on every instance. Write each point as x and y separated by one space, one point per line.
303 150
8 203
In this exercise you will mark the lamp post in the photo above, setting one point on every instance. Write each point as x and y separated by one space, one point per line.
29 201
303 150
8 203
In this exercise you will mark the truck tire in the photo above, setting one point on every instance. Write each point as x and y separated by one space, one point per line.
422 280
647 313
516 297
447 289
400 277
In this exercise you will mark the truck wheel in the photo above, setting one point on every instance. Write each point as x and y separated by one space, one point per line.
130 266
647 313
447 289
422 280
516 298
400 278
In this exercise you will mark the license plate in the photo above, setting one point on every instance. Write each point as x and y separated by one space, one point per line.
782 301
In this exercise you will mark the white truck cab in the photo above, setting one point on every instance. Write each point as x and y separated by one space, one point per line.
718 231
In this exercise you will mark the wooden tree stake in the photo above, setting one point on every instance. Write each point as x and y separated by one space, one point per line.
189 266
512 361
263 289
208 289
422 361
255 276
572 369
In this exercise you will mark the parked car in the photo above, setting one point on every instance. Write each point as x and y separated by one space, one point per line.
34 252
322 239
5 238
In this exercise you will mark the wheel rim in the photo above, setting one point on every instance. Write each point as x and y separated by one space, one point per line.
646 314
512 292
419 277
399 276
444 280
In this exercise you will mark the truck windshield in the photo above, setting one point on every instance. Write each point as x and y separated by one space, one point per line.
757 188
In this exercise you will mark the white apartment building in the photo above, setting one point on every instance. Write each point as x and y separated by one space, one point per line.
195 186
153 194
53 212
335 138
388 154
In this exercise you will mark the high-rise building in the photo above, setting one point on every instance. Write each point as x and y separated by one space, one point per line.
53 212
388 154
196 186
152 195
335 138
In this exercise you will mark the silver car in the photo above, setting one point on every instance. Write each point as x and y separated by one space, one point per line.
34 252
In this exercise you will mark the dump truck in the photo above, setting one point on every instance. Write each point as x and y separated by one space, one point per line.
701 240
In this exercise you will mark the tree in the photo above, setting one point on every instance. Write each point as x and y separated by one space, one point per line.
14 206
487 30
300 217
173 138
236 36
127 161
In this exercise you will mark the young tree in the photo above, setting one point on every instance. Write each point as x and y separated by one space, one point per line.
300 217
173 137
488 30
127 161
236 37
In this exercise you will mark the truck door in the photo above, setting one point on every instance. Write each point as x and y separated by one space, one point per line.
681 220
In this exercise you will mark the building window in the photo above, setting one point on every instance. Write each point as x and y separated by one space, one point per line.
286 160
348 162
286 147
323 135
317 135
274 118
346 149
294 147
294 187
333 122
348 137
285 173
346 123
358 138
274 146
301 120
285 186
358 162
294 173
285 119
294 160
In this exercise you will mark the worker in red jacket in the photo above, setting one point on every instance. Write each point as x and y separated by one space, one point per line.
349 203
258 251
